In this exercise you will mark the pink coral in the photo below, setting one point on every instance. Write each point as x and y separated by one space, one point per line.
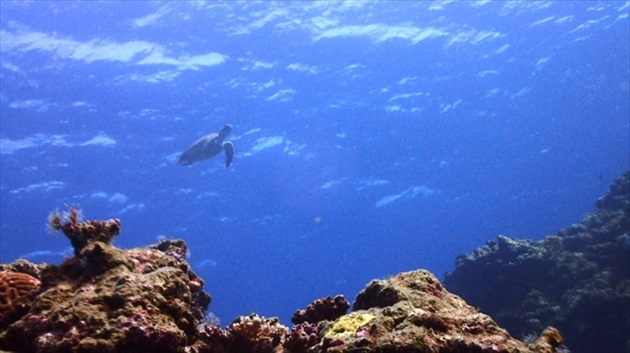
257 334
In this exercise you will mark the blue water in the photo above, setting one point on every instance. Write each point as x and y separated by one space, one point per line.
371 137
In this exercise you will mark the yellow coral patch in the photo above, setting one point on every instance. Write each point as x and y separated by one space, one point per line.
348 324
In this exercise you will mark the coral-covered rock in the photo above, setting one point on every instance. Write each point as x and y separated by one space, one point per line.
577 280
322 309
83 233
550 337
16 294
112 300
412 312
246 334
25 266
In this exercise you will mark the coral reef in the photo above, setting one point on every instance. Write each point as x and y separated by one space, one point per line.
106 299
156 306
577 280
410 312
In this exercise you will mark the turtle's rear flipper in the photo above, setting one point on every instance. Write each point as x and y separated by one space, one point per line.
229 152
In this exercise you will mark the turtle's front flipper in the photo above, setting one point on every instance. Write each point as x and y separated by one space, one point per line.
229 152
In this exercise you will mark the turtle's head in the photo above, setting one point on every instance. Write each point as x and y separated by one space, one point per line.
224 132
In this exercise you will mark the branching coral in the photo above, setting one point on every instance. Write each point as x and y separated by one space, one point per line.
16 293
83 233
212 338
257 334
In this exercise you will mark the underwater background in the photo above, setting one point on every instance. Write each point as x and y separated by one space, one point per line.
371 137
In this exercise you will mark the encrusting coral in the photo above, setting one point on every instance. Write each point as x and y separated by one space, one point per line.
348 325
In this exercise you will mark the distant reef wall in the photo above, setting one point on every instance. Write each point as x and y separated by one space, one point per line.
577 280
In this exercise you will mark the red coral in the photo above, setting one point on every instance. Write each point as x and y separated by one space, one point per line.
16 294
322 309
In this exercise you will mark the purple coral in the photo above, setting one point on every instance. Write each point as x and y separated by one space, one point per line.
322 309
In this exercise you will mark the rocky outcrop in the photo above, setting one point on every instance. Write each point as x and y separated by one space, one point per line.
577 280
412 312
109 300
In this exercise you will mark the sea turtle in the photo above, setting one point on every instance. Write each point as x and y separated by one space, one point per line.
209 146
